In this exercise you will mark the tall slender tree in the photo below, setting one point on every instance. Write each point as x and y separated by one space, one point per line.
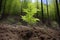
59 0
0 4
47 8
48 17
42 11
3 10
57 12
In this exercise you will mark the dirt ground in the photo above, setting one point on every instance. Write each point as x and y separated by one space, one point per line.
10 32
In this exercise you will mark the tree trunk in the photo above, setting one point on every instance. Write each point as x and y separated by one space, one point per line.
48 18
59 0
0 4
47 9
3 15
42 11
57 12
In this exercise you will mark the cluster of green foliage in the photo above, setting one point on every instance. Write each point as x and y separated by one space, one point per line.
31 10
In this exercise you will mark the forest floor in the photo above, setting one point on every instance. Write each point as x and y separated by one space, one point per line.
11 31
20 32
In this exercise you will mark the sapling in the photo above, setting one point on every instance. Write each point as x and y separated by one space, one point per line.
31 10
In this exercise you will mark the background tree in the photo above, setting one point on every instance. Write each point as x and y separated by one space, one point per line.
47 9
48 20
59 0
57 12
0 4
42 11
3 15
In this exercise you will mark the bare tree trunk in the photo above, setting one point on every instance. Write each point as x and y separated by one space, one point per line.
42 11
3 15
48 18
57 13
47 9
0 4
59 0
